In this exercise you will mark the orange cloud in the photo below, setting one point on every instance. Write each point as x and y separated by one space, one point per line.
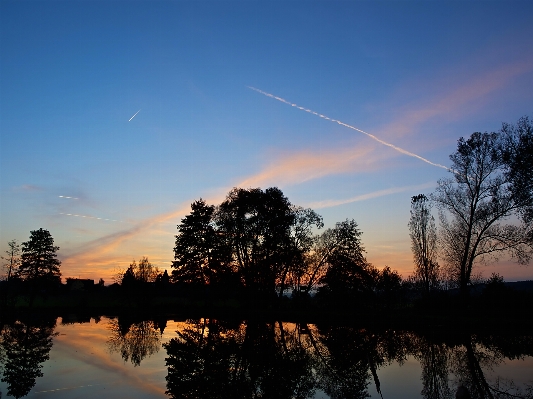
308 165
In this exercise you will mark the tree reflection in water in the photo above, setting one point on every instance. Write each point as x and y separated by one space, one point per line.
210 358
25 346
134 341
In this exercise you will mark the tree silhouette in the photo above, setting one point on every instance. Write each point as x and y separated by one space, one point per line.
348 271
423 235
201 253
39 258
39 264
208 359
26 347
258 226
134 341
12 259
518 158
473 206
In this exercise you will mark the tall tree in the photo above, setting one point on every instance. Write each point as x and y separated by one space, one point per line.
12 258
201 254
423 235
303 240
258 226
27 347
347 271
39 264
474 205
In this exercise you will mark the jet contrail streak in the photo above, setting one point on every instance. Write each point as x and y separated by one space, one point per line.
134 115
88 217
405 152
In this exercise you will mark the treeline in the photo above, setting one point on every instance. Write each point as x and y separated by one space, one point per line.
256 246
258 242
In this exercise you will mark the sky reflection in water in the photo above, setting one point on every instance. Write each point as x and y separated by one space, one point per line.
126 358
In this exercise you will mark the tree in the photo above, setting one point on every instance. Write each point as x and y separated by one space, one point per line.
423 235
200 253
145 272
257 225
474 205
303 240
518 158
348 271
134 341
39 264
12 258
27 347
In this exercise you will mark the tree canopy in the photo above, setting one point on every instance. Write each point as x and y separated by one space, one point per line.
491 183
39 259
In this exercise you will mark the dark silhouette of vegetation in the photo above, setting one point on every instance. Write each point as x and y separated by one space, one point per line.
256 252
39 266
213 358
11 262
134 340
491 182
255 241
423 235
26 346
202 254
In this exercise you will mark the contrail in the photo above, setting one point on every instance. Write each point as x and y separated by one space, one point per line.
134 115
63 389
350 127
64 196
88 217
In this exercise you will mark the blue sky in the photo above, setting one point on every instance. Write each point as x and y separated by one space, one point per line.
418 75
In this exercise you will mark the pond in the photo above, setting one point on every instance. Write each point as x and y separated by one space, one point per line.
207 358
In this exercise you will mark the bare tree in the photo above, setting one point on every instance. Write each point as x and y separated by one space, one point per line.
423 235
12 258
475 205
145 271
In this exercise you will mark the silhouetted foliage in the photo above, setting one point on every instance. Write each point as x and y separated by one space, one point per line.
39 266
134 340
348 271
255 238
12 260
476 201
202 254
258 225
208 359
518 158
26 347
39 259
423 235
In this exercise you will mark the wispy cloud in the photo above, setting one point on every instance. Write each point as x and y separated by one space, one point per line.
28 188
299 167
374 194
467 95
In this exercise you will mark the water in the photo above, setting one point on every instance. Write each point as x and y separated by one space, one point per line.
206 358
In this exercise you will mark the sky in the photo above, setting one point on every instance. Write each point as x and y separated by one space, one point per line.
116 115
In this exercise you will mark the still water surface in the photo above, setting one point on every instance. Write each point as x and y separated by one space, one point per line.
206 358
